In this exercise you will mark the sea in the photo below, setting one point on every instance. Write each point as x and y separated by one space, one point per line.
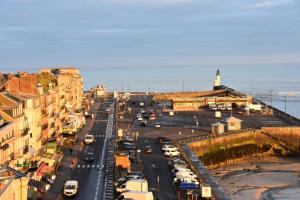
276 84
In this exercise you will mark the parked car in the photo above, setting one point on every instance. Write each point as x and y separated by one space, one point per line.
89 157
157 125
171 163
168 147
148 149
171 153
89 139
166 142
133 185
160 139
143 123
152 117
71 188
136 195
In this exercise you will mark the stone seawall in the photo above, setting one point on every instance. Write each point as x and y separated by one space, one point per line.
290 135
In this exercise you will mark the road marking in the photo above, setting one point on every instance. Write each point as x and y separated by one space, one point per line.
108 133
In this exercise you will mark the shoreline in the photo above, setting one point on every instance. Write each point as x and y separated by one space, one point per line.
260 178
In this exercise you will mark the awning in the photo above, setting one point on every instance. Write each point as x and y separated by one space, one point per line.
44 169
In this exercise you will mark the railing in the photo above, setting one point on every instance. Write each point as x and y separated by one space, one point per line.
25 132
205 137
6 185
281 142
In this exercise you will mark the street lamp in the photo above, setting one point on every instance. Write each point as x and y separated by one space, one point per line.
157 186
179 133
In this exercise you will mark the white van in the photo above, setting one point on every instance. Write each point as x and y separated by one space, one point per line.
134 185
136 195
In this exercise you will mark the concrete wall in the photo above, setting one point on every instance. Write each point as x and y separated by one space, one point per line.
289 134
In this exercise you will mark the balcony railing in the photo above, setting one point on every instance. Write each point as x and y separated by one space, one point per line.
25 132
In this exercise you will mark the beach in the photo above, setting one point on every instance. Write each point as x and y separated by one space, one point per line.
261 178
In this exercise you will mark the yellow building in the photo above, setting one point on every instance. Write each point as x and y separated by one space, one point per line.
14 129
70 85
13 184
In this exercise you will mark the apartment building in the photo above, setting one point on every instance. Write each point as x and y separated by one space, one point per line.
70 86
14 132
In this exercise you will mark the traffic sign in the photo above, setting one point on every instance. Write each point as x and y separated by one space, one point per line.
188 186
22 165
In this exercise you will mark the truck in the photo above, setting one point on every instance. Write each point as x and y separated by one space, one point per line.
142 104
136 195
134 185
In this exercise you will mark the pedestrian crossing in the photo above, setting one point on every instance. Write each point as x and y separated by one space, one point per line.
101 120
99 136
110 171
85 166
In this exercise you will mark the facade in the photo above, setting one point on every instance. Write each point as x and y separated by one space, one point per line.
217 128
13 184
70 85
233 124
100 91
14 129
194 104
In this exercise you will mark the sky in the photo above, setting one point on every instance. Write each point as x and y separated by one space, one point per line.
143 33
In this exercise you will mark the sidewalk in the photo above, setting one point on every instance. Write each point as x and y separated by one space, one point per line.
64 171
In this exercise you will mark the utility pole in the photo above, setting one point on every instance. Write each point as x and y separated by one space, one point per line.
122 86
271 97
285 103
158 187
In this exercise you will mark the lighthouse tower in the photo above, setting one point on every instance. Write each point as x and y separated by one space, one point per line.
217 83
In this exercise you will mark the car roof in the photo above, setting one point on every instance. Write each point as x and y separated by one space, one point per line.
71 182
88 135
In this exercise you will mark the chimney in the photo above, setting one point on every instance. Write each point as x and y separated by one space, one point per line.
40 88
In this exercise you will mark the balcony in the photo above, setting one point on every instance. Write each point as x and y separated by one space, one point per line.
25 132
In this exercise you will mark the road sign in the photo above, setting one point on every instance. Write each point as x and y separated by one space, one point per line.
188 186
22 165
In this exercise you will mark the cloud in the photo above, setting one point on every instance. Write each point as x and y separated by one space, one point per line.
268 4
157 2
262 4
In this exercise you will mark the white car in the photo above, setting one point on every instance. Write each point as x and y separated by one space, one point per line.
186 180
185 174
71 188
89 139
172 153
169 147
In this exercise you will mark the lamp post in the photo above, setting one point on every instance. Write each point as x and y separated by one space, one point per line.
158 187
